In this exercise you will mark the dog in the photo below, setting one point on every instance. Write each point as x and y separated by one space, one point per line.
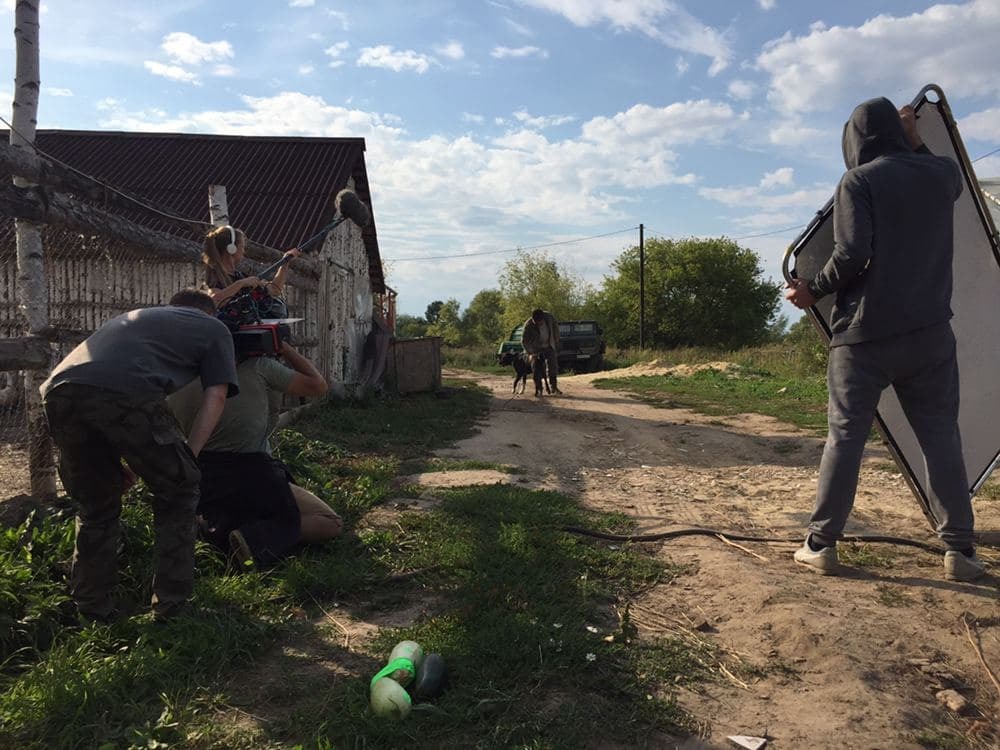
524 365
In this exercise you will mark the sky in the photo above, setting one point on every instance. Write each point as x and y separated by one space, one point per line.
493 125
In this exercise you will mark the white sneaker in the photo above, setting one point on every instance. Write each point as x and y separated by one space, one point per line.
823 561
959 567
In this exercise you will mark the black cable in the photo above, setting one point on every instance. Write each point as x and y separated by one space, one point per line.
695 531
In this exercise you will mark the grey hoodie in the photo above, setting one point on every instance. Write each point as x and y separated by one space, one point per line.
893 216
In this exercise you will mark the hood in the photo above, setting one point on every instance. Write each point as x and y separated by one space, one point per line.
873 130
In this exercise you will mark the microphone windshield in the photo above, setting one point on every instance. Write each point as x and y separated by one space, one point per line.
351 207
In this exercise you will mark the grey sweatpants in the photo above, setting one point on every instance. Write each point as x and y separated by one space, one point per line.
921 366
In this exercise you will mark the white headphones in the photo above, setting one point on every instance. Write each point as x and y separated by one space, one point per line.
231 247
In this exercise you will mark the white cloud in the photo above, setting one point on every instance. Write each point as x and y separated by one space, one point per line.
341 18
503 53
742 90
173 72
988 168
301 3
224 71
57 91
473 118
540 123
306 69
385 56
581 179
682 66
452 50
767 4
790 205
833 67
188 49
783 177
663 20
335 51
983 126
791 131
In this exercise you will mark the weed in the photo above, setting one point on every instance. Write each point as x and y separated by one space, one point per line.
937 739
891 596
864 556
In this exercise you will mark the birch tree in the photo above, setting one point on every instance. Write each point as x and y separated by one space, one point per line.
32 287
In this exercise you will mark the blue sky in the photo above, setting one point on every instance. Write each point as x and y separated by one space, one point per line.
497 124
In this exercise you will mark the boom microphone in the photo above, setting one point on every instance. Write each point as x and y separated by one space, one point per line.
350 207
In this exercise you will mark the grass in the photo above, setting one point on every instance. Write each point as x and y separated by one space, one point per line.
797 400
863 556
523 613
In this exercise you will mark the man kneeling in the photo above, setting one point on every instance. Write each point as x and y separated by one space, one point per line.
250 503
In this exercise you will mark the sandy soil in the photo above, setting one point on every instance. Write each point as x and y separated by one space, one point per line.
844 662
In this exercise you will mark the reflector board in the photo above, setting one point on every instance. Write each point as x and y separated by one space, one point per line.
975 301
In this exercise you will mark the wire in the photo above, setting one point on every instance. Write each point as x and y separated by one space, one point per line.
103 184
515 249
990 153
746 236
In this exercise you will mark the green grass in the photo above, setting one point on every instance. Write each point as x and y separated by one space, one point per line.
523 613
797 400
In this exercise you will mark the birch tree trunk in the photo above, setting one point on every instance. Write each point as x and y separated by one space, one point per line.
31 284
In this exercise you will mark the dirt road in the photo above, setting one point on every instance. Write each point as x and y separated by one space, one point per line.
840 662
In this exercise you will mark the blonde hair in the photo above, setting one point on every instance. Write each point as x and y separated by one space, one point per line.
216 242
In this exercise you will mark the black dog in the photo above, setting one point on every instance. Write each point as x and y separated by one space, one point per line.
523 364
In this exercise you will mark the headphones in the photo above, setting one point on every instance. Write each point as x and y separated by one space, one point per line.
231 247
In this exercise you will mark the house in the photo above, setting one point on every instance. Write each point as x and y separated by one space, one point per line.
280 191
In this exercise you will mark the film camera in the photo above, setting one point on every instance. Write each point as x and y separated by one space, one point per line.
258 323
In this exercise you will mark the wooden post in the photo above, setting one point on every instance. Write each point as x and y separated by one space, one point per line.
32 288
218 205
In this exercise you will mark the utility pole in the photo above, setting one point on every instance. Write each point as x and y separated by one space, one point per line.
642 291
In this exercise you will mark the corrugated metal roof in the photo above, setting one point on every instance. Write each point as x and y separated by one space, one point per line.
280 190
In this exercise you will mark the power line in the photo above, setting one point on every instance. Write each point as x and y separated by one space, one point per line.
746 236
107 186
985 155
513 249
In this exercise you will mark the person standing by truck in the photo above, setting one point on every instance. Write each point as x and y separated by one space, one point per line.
541 341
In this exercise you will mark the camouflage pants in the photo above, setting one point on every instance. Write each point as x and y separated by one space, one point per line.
94 429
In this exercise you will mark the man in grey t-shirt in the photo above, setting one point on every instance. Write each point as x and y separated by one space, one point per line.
105 403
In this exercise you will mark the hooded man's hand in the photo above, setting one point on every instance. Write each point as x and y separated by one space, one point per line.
797 292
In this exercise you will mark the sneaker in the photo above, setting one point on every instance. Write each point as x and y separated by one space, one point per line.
242 554
824 561
538 393
961 567
556 391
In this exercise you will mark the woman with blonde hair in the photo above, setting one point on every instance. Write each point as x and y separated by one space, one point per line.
223 251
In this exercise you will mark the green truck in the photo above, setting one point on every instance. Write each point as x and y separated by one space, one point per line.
581 345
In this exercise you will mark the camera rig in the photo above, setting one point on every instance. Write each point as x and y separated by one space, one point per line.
259 322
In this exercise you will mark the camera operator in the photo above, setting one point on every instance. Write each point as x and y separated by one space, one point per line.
250 504
105 402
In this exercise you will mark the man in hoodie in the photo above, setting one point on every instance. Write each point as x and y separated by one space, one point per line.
540 339
891 270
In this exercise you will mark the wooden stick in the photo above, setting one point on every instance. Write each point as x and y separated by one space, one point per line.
335 621
979 653
740 547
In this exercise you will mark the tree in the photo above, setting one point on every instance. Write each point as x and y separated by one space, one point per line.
531 280
433 310
410 326
482 322
448 323
699 292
